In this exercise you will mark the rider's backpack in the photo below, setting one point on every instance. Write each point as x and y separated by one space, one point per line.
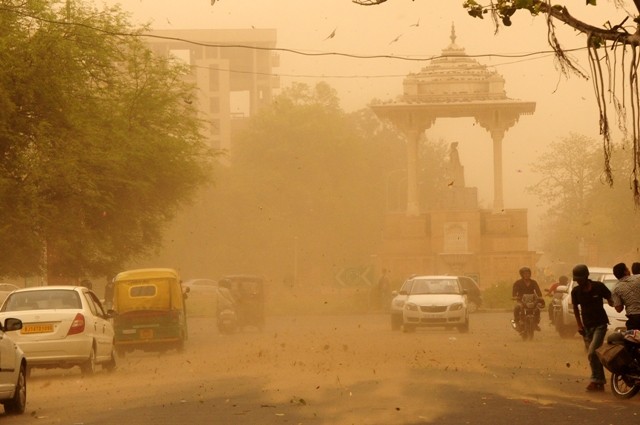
614 357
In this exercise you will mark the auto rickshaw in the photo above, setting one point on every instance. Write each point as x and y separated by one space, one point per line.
248 293
150 310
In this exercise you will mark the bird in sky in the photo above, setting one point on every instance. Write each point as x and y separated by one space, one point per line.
333 34
395 39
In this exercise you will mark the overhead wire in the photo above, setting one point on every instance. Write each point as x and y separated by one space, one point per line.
412 58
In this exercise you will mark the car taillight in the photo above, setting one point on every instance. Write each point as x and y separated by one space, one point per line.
77 326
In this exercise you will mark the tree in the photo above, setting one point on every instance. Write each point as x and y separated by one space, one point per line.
307 187
613 52
100 144
585 216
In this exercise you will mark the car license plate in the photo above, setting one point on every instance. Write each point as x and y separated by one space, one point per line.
37 328
146 333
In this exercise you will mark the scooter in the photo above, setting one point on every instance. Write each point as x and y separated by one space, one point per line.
227 321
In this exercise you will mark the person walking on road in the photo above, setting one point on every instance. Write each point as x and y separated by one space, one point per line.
587 298
626 295
384 288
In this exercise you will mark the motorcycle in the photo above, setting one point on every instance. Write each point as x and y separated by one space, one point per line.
621 356
530 306
227 321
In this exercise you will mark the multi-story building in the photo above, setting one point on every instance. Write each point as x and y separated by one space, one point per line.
232 69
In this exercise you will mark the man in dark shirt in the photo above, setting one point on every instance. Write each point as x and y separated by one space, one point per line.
525 285
587 299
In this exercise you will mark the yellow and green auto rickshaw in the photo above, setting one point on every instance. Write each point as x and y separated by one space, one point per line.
150 310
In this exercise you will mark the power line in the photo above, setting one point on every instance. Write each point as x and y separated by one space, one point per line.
288 50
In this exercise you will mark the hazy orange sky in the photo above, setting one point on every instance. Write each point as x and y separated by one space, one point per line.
564 104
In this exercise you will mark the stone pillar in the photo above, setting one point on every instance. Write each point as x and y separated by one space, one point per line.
498 199
413 140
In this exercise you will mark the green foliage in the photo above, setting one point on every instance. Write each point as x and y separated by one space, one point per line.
99 148
497 296
583 211
305 192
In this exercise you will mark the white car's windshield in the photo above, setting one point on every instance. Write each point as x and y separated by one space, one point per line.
435 286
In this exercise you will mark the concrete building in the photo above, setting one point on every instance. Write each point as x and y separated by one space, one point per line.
233 70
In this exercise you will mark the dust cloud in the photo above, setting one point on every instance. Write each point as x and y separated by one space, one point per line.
329 369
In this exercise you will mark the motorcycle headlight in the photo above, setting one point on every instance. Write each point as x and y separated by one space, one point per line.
455 307
411 307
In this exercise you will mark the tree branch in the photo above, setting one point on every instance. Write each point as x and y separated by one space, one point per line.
618 35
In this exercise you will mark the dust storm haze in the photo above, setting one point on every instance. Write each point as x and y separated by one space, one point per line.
413 32
329 355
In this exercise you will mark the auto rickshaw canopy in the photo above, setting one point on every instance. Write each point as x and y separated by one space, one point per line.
147 289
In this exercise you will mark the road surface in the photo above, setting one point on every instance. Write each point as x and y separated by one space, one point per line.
336 370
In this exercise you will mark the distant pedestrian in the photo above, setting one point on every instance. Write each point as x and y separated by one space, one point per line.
588 297
108 293
86 283
384 288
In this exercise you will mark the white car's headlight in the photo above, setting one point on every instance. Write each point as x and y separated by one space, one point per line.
411 307
455 307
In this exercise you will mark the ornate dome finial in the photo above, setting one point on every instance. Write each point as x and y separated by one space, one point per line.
453 33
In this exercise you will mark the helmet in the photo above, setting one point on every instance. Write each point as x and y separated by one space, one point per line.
524 270
580 271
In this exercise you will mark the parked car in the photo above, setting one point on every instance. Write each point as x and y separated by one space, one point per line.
13 370
194 286
563 317
474 295
435 301
63 327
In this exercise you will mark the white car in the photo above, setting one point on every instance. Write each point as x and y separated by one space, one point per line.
6 289
435 301
13 370
62 327
565 321
397 304
200 285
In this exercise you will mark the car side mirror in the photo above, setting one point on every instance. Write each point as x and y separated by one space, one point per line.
111 313
394 293
12 324
403 293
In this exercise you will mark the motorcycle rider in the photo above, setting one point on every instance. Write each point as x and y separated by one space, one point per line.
626 295
557 297
587 299
522 286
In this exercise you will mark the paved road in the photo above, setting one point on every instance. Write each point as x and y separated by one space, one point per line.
337 370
